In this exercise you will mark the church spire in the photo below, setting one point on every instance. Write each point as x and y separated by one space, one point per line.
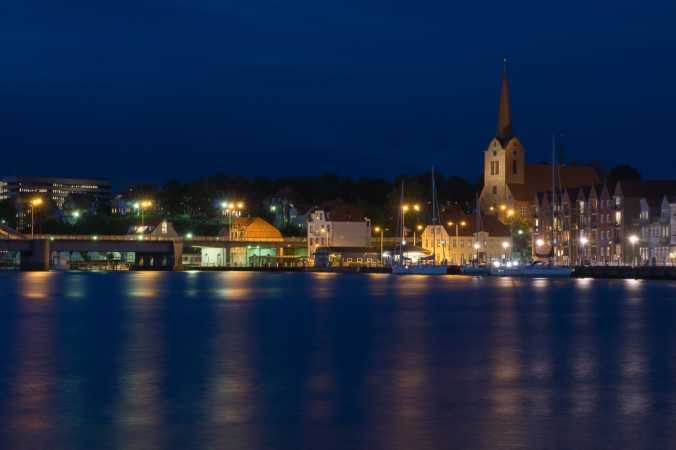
504 129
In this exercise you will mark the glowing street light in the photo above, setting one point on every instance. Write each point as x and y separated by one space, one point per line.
633 239
380 230
583 242
505 246
236 207
34 203
142 206
539 242
404 209
419 228
188 235
462 223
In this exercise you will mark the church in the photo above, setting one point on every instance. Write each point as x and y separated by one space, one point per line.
510 185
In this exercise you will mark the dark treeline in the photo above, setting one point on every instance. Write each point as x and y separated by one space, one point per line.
377 198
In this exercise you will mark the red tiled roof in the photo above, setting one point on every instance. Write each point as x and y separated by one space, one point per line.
538 178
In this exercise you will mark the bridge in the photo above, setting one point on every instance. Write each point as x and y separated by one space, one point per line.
151 252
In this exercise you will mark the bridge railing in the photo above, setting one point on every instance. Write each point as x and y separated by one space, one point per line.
145 237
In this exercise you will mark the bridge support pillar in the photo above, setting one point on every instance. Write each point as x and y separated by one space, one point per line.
178 256
38 257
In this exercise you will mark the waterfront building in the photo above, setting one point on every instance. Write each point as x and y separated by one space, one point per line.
57 189
326 257
340 227
460 239
509 183
255 230
594 224
3 190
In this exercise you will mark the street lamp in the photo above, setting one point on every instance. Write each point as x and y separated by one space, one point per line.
404 209
539 242
583 242
462 223
35 202
141 206
633 239
419 228
382 232
505 246
230 208
477 246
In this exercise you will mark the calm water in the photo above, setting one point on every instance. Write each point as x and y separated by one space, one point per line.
324 361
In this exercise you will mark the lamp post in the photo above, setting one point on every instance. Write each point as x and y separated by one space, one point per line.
230 208
633 239
462 223
141 206
419 228
35 202
381 231
505 246
477 246
583 242
404 209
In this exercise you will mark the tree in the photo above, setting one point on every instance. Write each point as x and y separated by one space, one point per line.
623 172
7 213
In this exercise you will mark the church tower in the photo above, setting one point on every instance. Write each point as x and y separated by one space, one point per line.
504 157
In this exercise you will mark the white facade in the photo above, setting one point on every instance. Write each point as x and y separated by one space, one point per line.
465 247
658 233
322 232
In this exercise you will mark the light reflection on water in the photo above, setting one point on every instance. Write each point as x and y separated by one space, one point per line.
292 361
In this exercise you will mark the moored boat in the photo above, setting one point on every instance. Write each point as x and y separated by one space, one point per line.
418 269
473 269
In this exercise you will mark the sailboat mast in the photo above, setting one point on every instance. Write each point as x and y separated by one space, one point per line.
435 219
553 195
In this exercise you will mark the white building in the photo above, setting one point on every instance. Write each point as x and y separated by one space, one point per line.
456 242
326 231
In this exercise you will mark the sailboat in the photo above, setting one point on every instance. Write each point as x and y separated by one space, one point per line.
407 267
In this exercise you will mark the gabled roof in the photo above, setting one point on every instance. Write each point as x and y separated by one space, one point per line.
538 178
256 228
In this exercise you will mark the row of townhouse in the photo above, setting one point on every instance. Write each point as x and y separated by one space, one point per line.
611 223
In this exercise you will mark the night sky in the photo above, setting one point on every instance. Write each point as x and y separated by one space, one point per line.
149 89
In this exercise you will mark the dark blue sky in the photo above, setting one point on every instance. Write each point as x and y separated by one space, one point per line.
134 89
